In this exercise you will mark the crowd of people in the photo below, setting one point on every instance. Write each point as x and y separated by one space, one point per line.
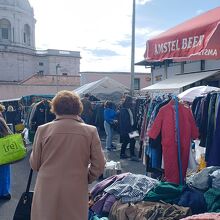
76 148
68 155
118 118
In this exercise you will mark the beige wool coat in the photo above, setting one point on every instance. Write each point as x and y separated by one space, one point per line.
67 155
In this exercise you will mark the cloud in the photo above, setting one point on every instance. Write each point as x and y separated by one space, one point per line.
198 12
99 29
103 52
143 2
147 32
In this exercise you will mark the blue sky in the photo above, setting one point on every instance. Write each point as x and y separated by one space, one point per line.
101 29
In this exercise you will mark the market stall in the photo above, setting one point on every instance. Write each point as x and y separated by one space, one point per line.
195 39
177 83
104 89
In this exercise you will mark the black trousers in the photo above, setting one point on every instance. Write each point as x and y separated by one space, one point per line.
125 140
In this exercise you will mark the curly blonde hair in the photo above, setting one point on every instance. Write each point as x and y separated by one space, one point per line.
2 108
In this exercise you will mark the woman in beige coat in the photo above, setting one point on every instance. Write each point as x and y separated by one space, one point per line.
68 156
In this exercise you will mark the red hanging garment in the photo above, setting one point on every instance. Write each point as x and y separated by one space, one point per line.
165 122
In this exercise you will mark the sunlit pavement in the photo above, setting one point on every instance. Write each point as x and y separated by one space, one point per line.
20 172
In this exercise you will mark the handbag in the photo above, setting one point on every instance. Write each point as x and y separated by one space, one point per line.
23 209
12 149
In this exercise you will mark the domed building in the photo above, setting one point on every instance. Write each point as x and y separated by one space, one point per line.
17 23
19 60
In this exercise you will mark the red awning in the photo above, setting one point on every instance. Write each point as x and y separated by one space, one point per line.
195 39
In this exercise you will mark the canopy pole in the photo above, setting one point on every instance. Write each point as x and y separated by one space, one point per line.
132 49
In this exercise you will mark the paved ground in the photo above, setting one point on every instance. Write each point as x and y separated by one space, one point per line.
20 172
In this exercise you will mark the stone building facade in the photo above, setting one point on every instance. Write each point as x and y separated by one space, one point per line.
18 57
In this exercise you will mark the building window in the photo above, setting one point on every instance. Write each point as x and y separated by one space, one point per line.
64 74
41 73
41 64
173 64
5 29
27 35
136 83
202 65
5 33
13 35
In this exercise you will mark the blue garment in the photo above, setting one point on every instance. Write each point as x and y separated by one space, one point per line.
109 134
194 199
210 128
155 147
109 115
4 180
92 216
204 122
214 151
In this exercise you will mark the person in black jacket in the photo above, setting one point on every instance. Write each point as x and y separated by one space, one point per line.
87 113
40 114
127 125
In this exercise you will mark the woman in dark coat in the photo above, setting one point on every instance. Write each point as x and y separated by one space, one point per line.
127 125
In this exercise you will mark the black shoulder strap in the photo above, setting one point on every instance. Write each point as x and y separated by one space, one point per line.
29 181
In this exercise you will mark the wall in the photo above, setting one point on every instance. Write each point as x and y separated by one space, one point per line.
212 64
189 67
68 65
18 63
8 91
173 70
15 66
158 74
192 67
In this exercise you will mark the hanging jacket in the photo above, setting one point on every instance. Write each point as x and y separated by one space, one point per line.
165 124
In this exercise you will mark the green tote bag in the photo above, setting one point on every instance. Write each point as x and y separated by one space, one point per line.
12 149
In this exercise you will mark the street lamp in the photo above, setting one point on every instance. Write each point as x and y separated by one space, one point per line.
132 49
57 67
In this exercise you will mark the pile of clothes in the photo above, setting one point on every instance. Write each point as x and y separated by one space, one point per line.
135 196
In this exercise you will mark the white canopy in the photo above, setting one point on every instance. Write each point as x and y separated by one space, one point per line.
103 88
190 94
177 82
